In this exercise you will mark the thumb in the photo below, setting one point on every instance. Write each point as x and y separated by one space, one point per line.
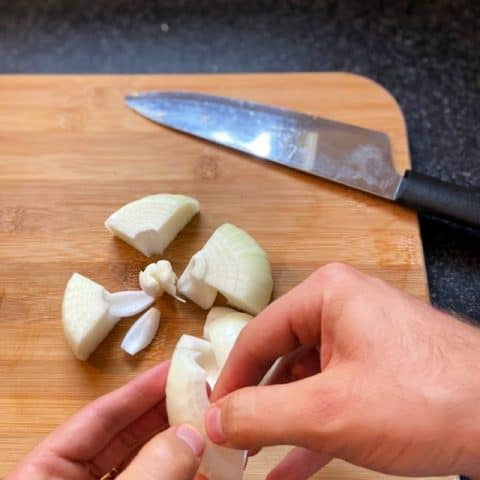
171 455
300 413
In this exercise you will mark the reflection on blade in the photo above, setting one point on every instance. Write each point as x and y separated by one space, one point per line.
259 146
350 155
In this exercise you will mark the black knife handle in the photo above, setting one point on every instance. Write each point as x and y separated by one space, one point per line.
430 195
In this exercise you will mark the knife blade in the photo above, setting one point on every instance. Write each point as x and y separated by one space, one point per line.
353 156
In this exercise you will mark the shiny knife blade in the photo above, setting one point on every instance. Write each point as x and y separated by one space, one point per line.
346 154
353 156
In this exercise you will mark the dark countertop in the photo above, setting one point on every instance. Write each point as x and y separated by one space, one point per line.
425 53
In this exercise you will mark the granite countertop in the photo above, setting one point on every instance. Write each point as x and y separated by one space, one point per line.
425 53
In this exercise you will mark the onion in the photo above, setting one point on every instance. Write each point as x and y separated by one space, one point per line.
232 263
89 312
197 290
158 278
86 315
222 328
142 332
196 362
128 303
192 364
151 223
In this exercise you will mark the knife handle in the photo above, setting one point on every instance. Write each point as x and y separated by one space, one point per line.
430 195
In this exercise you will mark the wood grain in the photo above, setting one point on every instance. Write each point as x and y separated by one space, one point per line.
71 153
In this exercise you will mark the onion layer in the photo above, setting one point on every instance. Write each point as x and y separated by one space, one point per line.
150 224
232 263
196 362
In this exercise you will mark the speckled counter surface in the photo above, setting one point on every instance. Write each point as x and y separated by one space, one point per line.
426 53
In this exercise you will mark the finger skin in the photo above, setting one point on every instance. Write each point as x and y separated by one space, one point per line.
297 413
299 464
266 338
70 451
92 428
302 363
289 322
126 443
167 457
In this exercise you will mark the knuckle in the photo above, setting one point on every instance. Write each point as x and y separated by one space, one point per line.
336 271
339 281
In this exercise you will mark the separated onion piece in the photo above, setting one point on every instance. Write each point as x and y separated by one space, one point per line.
222 328
128 303
232 263
86 315
158 278
193 363
151 223
142 332
89 312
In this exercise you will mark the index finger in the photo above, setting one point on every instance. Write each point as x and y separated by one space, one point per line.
289 322
89 430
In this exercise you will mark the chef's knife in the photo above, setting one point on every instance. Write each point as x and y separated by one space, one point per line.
346 154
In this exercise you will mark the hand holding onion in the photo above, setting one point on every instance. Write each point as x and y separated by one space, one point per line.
370 375
126 428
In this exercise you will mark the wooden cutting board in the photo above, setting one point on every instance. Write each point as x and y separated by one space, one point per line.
71 153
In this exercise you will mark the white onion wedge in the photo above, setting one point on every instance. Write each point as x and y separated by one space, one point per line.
196 362
158 278
150 224
86 316
193 362
222 328
232 263
128 303
142 332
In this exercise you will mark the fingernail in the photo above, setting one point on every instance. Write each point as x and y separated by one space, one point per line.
192 438
253 452
213 425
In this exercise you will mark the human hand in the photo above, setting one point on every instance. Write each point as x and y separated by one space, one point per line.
119 431
370 375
